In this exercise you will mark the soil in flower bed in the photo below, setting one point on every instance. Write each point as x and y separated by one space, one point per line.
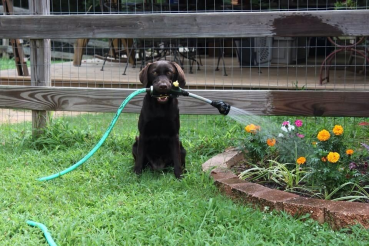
243 165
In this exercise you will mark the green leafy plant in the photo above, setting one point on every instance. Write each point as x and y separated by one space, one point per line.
297 87
257 144
60 135
291 142
279 173
356 193
348 4
333 161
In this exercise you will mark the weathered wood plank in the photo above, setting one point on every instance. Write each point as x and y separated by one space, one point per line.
256 102
189 25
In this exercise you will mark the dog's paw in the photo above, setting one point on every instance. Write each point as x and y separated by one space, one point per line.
137 171
179 173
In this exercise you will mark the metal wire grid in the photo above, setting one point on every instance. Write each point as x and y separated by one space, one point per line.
174 6
248 63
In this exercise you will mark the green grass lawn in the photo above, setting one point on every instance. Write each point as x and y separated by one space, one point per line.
105 203
6 64
9 64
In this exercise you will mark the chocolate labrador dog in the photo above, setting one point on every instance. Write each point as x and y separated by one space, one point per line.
158 145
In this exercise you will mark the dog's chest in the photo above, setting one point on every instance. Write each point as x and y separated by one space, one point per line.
161 127
159 120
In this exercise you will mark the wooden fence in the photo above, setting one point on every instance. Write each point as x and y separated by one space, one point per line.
258 102
209 25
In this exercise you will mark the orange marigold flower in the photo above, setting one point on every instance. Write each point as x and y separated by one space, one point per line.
333 157
349 152
271 142
338 130
324 159
323 135
252 128
301 160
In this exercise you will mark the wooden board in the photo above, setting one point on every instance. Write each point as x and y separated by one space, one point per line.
188 25
255 102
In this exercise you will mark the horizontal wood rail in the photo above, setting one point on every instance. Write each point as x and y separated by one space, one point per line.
257 102
188 25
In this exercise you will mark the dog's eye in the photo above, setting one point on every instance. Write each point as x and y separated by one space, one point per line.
154 73
169 73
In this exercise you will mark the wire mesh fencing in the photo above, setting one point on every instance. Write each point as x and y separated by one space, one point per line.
335 63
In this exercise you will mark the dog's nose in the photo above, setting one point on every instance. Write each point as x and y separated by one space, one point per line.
163 86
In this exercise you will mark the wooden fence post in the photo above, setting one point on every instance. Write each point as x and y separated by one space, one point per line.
40 64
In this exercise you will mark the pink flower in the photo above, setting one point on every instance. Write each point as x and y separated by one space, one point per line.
364 123
298 123
300 135
285 123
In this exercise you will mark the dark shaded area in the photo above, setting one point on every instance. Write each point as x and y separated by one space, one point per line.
297 25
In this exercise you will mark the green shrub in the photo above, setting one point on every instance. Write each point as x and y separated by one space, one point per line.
60 135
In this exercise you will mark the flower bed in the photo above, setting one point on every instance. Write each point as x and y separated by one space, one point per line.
323 165
338 214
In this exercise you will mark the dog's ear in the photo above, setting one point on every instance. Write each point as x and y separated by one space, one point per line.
180 75
144 78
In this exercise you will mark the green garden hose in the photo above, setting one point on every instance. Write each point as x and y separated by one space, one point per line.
102 140
48 237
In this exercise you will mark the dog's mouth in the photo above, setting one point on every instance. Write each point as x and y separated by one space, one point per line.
162 99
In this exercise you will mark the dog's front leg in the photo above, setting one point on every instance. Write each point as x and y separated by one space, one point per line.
176 157
140 158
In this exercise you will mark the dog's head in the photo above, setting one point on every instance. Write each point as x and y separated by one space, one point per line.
161 75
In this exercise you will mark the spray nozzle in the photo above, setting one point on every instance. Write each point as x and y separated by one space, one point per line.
174 92
221 106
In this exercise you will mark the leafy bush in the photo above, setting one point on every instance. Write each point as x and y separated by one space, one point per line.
292 143
60 135
332 160
256 143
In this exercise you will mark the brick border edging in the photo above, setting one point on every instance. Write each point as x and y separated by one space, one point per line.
338 214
